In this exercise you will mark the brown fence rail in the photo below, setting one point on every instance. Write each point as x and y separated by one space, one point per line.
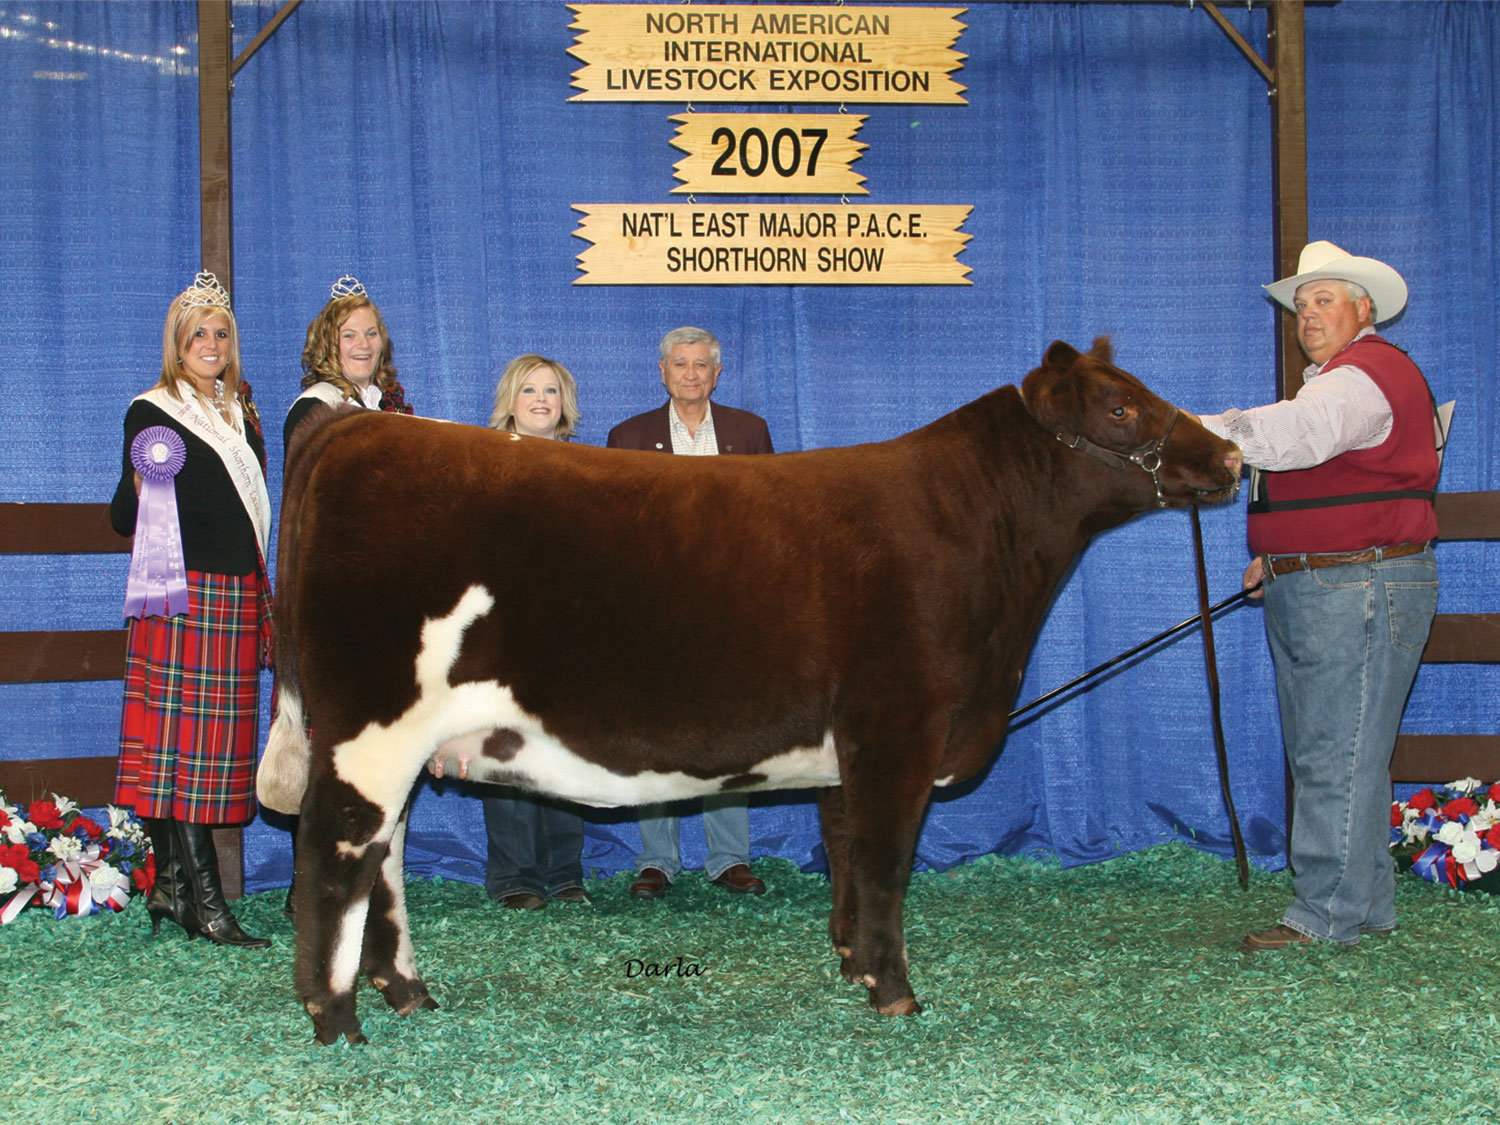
1457 638
66 655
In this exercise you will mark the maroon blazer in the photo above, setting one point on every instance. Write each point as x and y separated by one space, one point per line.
738 431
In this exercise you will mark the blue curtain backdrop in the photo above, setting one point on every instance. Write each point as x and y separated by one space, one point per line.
1117 159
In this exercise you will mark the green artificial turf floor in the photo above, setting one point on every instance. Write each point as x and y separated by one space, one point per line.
1109 993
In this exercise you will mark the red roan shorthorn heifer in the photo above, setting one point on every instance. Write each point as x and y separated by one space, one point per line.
619 628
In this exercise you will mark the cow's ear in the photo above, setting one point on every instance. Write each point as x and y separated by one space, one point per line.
1052 392
1102 350
1060 356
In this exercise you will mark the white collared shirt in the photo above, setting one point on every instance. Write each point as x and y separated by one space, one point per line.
705 443
1335 411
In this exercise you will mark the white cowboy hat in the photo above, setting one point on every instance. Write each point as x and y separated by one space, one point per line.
1321 260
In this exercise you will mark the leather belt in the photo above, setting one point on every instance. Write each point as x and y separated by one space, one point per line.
1277 565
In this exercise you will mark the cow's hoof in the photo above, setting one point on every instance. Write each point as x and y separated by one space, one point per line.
334 1019
847 969
880 998
406 995
907 1006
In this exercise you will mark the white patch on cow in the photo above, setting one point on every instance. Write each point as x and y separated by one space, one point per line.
544 764
943 782
453 722
807 767
351 851
515 437
393 872
381 762
442 637
348 946
281 778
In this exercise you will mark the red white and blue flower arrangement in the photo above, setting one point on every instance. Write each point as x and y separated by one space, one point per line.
52 855
1449 834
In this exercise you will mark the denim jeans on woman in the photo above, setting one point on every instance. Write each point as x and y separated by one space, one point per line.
533 845
1346 642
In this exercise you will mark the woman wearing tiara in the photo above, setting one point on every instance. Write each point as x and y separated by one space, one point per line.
347 358
535 846
192 491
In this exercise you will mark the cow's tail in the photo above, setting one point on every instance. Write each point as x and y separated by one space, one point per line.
281 779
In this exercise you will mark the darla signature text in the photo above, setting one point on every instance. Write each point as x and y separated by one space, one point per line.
681 967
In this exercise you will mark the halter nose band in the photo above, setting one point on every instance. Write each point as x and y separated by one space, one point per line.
1145 457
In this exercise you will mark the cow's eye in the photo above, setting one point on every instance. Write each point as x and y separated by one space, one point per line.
1118 412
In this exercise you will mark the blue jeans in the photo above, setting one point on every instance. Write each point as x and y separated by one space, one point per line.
726 830
532 846
1346 641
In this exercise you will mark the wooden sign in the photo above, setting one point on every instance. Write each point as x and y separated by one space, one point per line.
769 153
766 53
771 244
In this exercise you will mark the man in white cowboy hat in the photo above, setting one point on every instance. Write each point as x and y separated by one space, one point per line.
1341 524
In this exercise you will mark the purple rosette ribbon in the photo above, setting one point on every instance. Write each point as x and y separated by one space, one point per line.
157 586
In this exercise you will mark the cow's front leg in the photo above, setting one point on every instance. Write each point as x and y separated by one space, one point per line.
342 841
389 960
836 848
882 815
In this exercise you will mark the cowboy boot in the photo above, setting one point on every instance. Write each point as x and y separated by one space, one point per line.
200 864
169 896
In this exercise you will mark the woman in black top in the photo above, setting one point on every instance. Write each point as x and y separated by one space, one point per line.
347 359
199 607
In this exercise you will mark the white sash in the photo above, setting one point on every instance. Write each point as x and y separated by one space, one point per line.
239 459
327 392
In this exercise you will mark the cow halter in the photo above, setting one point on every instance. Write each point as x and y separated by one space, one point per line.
1145 457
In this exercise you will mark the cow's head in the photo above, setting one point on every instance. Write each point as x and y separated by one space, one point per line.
1106 413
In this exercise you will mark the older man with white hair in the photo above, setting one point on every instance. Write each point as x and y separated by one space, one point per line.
688 424
1341 525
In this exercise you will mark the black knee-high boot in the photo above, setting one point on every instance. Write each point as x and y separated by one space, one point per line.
169 897
200 863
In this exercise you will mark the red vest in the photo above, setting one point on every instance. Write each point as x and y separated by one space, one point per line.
1313 511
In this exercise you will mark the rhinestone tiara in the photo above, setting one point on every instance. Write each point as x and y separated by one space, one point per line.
205 293
347 286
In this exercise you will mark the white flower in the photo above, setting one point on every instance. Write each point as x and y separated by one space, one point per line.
64 806
1450 833
1466 849
118 817
1466 786
17 831
64 847
9 880
105 878
1487 860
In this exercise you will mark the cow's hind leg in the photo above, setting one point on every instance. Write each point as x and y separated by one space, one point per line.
836 848
389 959
343 839
882 816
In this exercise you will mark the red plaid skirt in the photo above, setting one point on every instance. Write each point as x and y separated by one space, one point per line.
190 723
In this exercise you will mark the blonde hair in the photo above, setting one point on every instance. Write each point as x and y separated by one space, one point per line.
182 322
517 371
320 355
